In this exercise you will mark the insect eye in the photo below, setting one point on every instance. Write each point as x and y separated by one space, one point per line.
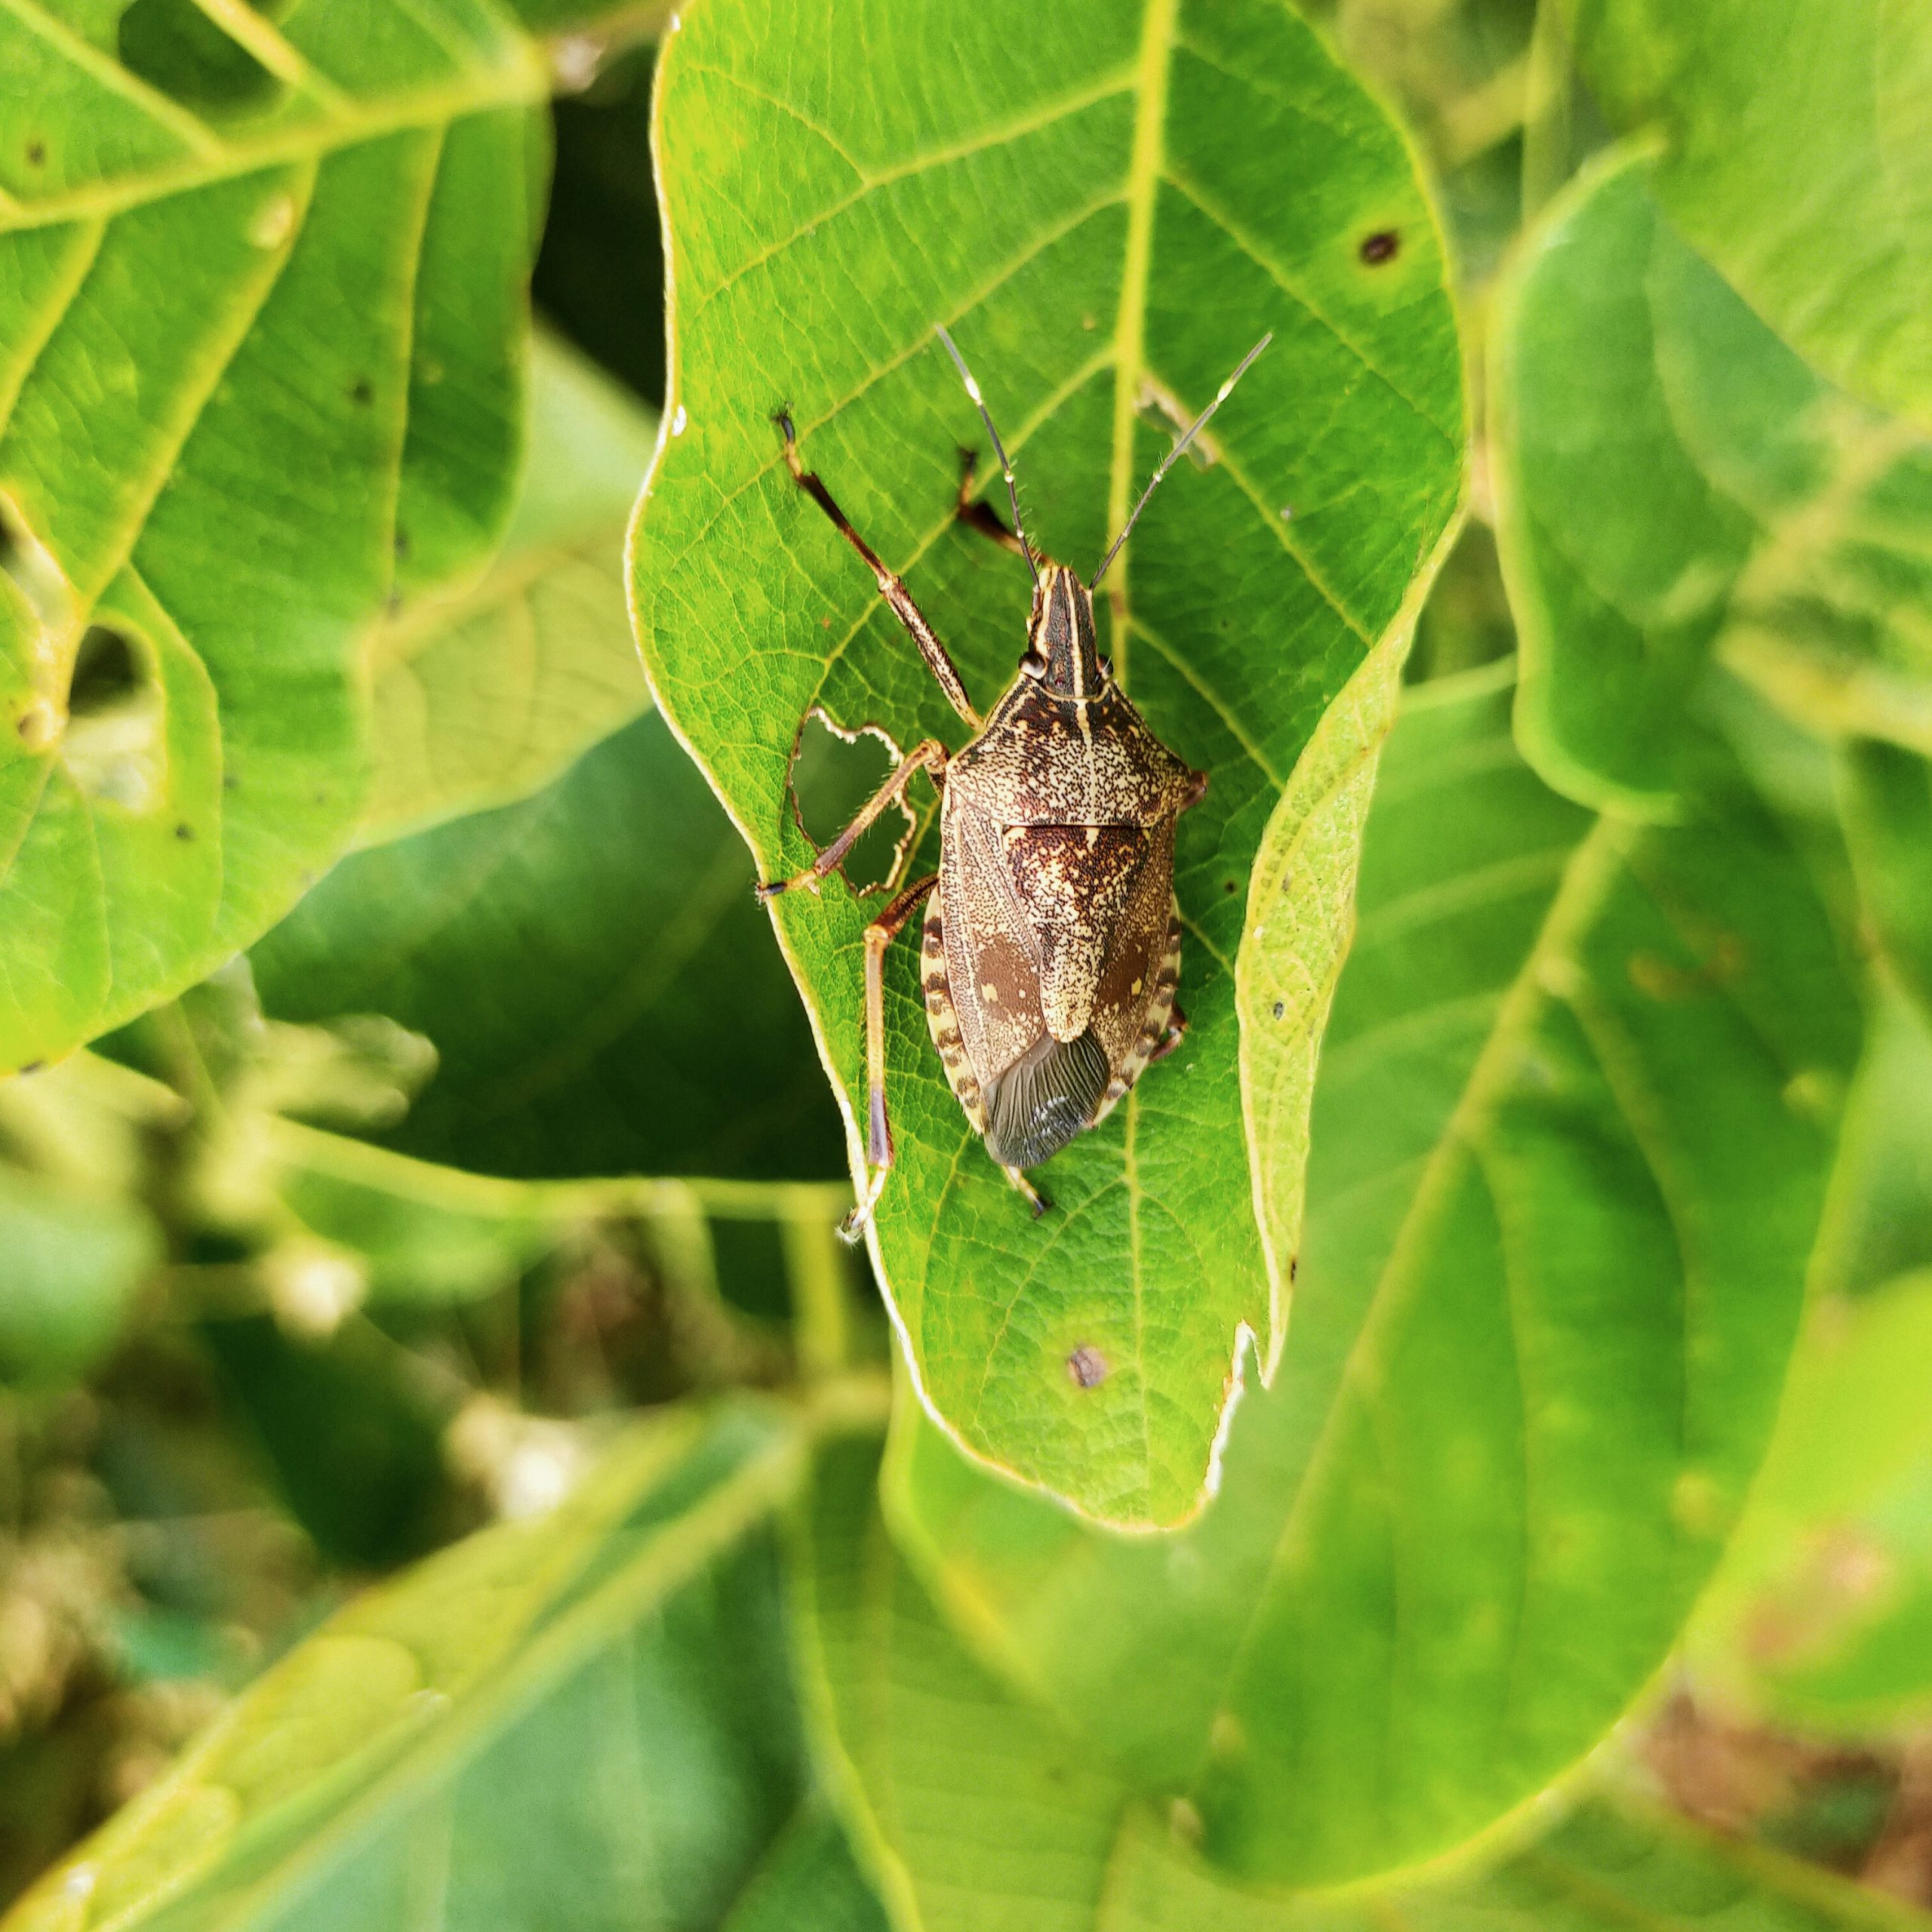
1107 669
1033 665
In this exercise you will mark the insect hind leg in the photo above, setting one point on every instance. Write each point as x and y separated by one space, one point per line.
1039 1201
879 935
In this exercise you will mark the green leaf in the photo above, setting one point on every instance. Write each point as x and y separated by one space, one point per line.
976 1811
1886 804
565 1722
76 1259
1795 158
353 1437
486 690
77 1241
279 279
595 974
1673 483
1570 1138
1101 217
1880 1225
1821 1616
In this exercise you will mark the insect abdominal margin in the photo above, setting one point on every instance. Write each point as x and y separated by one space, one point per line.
1051 952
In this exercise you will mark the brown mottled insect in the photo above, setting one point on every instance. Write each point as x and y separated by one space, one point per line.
1052 948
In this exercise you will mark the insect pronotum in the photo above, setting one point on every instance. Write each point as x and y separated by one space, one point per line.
1051 951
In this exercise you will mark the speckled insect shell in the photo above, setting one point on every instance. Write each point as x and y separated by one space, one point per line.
1051 949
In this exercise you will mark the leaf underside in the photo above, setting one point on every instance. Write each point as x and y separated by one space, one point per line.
1097 212
1052 1843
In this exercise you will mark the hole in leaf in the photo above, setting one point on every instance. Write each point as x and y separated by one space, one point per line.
834 772
112 745
105 673
173 45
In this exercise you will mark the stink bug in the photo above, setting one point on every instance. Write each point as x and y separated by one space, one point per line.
1051 950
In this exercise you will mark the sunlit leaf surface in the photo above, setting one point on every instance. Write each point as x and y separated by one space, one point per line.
1108 206
277 275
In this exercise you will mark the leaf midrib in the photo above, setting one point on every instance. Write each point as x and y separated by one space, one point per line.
754 1491
1594 868
522 83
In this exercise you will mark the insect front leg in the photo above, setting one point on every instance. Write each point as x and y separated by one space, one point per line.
890 586
928 755
976 514
879 935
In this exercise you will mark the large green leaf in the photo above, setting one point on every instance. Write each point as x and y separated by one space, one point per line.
485 689
1796 158
979 1814
1569 1141
1110 210
579 1721
1672 482
590 964
261 319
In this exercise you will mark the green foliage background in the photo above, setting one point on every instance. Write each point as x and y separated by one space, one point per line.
450 1473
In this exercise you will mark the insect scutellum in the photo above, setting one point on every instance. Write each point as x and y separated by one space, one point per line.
1051 948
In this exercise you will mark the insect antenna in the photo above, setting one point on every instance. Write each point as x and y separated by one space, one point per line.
1173 455
999 448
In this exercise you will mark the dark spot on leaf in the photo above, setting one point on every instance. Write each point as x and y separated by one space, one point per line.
185 832
1380 247
1087 1366
231 781
33 1066
1281 1007
105 674
1294 1268
1231 885
401 541
36 158
362 391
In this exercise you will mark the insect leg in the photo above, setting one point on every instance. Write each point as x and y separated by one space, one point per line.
879 935
1176 1032
1039 1202
979 514
890 588
928 755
